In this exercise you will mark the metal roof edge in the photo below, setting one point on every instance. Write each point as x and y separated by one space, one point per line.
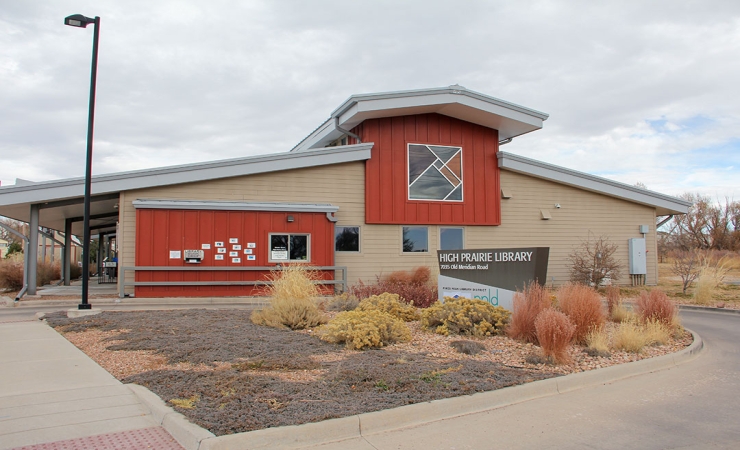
322 129
590 182
346 150
454 89
163 176
219 205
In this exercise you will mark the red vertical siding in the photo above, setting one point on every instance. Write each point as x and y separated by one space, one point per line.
386 172
160 231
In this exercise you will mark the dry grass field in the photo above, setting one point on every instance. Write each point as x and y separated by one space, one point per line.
726 295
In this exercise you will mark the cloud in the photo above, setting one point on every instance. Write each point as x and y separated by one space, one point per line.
635 91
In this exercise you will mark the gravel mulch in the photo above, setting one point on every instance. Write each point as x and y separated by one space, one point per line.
228 375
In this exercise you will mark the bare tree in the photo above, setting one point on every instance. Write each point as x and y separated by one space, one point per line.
708 225
687 265
594 262
7 235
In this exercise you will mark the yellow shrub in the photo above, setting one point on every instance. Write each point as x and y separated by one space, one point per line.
597 341
363 329
292 303
620 313
657 333
630 336
391 304
465 317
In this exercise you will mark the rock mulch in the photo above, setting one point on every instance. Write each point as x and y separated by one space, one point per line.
228 375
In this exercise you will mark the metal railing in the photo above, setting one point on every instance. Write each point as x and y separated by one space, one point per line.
123 283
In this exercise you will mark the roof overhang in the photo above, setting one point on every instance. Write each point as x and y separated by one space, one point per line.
663 204
62 199
509 119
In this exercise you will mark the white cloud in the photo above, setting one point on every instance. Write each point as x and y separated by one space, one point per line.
184 81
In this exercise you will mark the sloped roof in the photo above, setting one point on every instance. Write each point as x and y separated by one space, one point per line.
663 204
64 197
509 119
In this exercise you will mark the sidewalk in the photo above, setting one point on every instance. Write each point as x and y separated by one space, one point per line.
52 396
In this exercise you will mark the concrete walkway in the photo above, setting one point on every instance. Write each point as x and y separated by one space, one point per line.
52 396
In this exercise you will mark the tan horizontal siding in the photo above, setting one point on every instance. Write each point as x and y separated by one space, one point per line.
343 185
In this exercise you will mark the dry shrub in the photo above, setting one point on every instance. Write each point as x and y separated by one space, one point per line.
613 298
416 287
364 329
292 299
582 305
620 313
415 277
712 272
11 272
655 305
527 305
464 316
46 273
597 342
342 302
656 332
555 332
630 336
468 347
391 304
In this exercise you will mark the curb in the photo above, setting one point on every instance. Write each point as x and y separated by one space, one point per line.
709 309
193 437
185 433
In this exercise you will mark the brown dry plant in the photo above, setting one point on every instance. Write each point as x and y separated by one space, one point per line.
527 305
583 306
554 332
655 305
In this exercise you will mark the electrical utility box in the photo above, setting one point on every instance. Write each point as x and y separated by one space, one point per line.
638 256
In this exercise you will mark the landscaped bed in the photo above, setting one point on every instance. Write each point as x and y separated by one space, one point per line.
229 375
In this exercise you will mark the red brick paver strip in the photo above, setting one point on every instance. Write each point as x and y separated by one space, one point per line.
154 438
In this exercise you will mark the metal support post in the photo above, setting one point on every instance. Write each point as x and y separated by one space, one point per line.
33 248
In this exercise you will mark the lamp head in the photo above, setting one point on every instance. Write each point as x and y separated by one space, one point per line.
78 20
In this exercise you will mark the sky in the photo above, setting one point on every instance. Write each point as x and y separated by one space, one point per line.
637 91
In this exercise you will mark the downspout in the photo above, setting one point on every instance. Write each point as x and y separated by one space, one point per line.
662 222
25 260
347 132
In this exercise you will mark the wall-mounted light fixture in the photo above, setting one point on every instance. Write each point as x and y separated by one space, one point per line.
291 219
557 205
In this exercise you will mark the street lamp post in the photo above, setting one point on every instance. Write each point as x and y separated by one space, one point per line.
80 21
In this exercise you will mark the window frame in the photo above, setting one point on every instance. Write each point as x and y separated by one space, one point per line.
408 175
426 252
444 227
359 239
283 261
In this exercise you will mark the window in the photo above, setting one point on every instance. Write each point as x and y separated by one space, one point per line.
415 239
289 247
435 173
347 239
451 238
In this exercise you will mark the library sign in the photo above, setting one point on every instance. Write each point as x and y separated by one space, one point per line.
493 275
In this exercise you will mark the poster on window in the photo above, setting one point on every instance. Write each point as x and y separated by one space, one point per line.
279 254
492 275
